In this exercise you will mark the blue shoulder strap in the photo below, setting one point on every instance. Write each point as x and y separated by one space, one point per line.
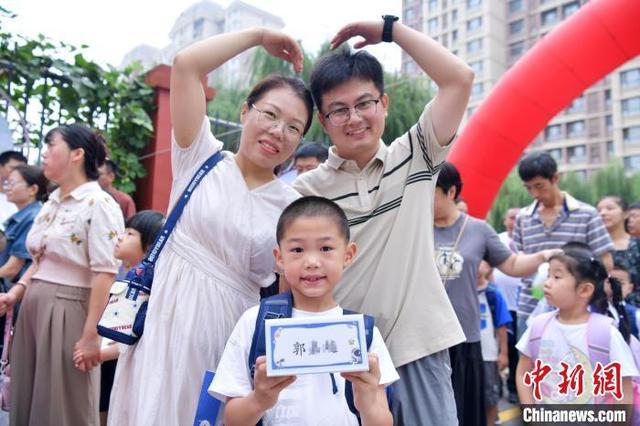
348 388
278 306
490 292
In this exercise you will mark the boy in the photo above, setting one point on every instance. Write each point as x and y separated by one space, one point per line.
313 249
494 319
387 195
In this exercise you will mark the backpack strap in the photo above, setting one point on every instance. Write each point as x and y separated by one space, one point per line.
369 322
599 338
490 293
538 327
278 306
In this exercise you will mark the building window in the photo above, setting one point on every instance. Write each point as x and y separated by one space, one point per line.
553 132
476 66
632 163
556 154
577 154
473 4
516 27
516 49
631 106
607 98
515 6
409 14
611 149
578 104
474 46
608 121
474 24
433 5
548 17
198 28
630 78
631 135
570 9
477 90
432 25
454 36
454 16
575 129
445 40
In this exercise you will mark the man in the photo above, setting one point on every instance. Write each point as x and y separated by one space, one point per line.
107 174
387 194
309 156
510 288
552 220
461 243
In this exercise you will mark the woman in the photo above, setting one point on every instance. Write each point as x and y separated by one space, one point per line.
65 289
26 188
613 210
220 253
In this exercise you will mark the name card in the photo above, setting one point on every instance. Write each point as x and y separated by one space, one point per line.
313 345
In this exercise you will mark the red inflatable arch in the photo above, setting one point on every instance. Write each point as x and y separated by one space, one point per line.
598 38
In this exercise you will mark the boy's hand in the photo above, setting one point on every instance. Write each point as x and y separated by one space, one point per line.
370 31
282 46
502 361
366 384
266 389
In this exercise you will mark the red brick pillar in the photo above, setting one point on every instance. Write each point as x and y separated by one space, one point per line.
152 191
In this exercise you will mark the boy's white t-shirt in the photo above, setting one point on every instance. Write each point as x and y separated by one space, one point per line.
568 343
488 338
310 399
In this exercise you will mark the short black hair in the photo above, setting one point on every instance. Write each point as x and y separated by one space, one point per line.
620 267
341 66
537 164
111 165
312 149
148 223
7 156
92 143
634 206
449 176
312 206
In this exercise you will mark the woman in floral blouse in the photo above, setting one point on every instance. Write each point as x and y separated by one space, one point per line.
65 290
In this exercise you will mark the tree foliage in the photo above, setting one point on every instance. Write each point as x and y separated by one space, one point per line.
56 83
611 180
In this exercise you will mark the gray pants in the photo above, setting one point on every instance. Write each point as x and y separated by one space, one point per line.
423 395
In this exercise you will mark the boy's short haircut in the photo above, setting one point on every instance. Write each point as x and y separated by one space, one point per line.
620 267
312 206
537 164
449 176
634 206
148 223
7 156
341 66
312 149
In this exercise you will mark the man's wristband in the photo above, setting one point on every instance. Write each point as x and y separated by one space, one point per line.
387 29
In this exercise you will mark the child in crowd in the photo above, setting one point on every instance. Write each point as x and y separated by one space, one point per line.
139 234
623 314
494 319
313 250
575 282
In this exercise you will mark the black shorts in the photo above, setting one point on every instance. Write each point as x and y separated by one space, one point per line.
467 379
107 373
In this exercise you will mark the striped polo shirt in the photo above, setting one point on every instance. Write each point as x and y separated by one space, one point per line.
577 222
389 204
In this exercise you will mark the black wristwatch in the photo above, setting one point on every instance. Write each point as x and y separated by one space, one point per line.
388 27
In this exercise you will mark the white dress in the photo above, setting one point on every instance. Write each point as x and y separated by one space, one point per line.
219 255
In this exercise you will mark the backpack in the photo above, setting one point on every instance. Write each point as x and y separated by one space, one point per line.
598 344
281 306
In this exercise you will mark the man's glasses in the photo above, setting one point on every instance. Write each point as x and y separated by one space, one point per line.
340 116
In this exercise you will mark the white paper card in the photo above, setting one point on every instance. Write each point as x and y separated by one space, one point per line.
316 345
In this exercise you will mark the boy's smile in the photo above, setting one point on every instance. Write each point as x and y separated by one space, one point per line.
313 255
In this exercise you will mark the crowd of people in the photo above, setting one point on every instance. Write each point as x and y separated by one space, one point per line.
374 227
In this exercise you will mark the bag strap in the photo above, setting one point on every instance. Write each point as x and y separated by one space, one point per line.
278 306
538 327
599 338
455 247
170 223
8 332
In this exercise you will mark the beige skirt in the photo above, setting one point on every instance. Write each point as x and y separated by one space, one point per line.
46 388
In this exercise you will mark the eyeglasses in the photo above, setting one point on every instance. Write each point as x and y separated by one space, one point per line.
292 132
341 116
11 183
